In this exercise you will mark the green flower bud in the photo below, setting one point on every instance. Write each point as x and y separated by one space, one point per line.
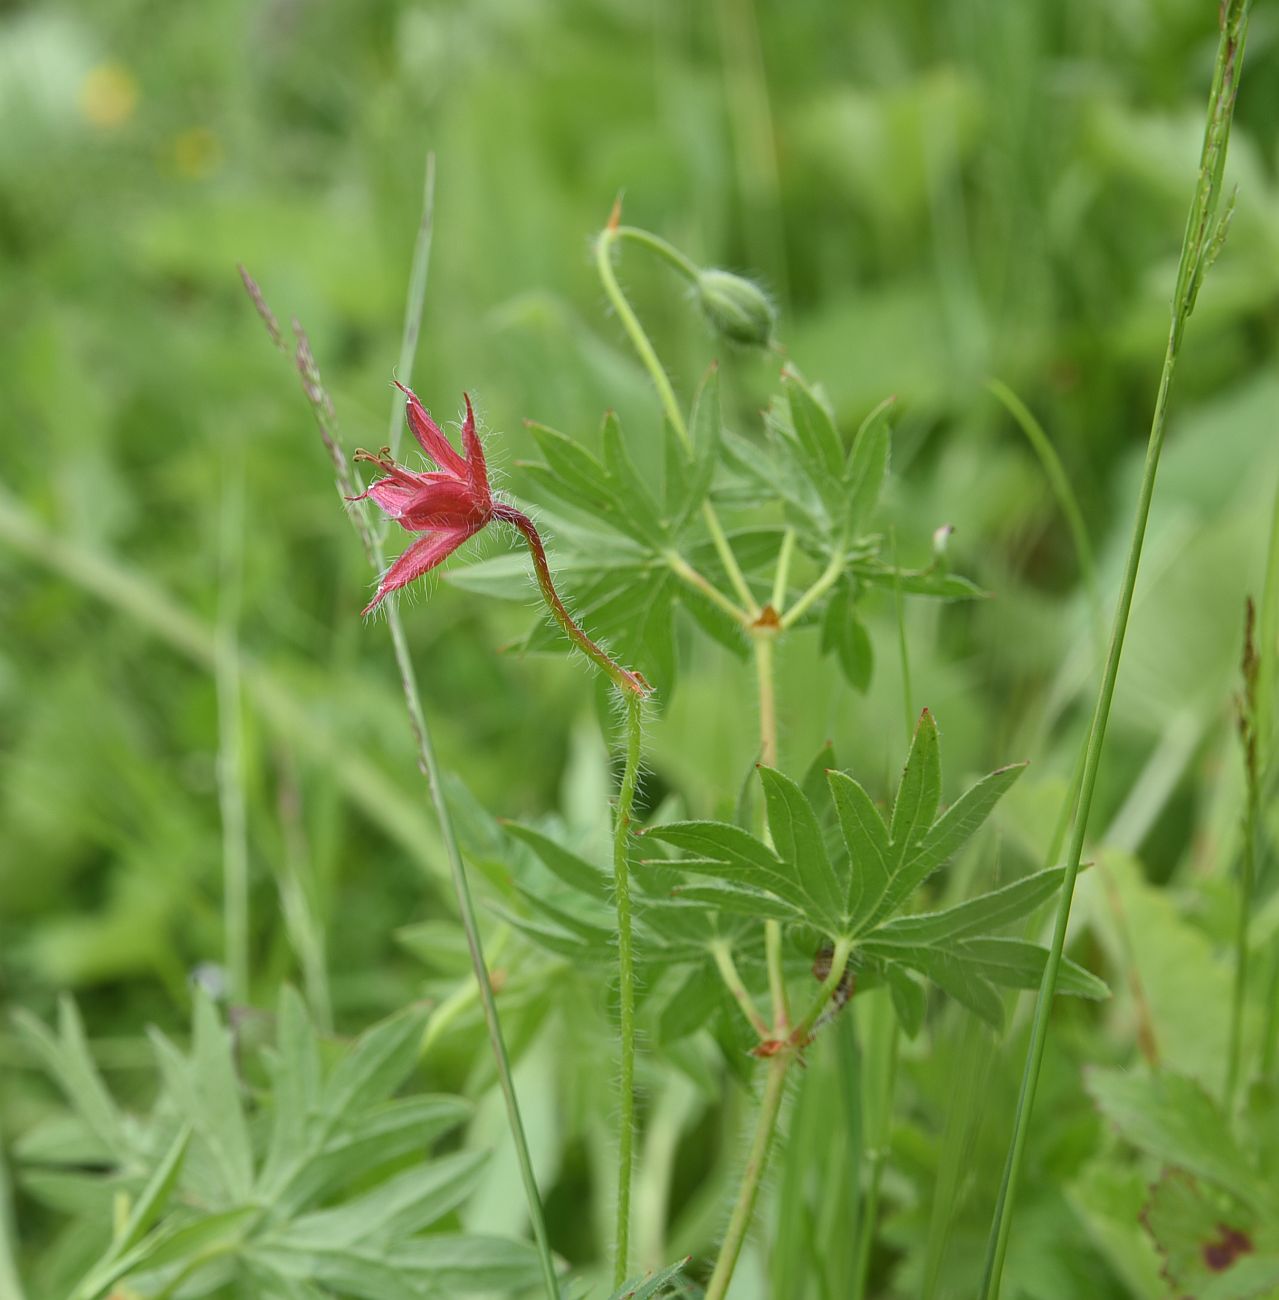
737 308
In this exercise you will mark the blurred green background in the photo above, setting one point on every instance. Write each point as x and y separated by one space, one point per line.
934 192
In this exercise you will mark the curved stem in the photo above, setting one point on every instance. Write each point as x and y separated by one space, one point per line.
665 392
655 244
782 576
626 984
757 1161
1197 246
629 683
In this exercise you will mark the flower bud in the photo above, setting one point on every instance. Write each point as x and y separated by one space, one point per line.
737 307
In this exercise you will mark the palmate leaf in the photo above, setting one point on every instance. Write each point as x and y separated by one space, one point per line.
857 890
315 1199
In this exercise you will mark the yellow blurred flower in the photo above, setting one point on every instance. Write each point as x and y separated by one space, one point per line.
108 95
197 152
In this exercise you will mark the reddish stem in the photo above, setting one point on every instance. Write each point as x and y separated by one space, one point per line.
622 678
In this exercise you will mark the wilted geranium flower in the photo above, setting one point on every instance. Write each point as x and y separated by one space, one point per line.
452 503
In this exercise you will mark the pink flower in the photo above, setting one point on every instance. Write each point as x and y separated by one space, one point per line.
447 505
452 503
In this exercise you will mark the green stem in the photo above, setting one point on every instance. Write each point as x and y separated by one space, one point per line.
834 977
681 568
782 577
655 244
826 580
732 978
1198 242
626 983
661 381
1247 874
756 1163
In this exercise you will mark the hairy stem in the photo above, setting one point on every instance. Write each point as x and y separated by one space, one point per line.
732 978
629 683
756 1163
1201 238
626 983
661 380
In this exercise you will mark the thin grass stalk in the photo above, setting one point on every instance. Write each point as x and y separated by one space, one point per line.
626 983
1200 244
1267 673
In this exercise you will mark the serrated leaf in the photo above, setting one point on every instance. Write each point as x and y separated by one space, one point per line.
574 871
918 793
945 837
1173 1119
987 912
725 851
727 896
67 1058
1019 964
650 1286
815 431
798 839
377 1064
574 474
918 582
869 850
640 510
958 978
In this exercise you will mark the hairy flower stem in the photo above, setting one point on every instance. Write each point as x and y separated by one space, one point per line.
757 1161
629 683
661 381
1202 239
626 982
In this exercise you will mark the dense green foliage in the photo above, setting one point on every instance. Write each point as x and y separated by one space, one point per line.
935 194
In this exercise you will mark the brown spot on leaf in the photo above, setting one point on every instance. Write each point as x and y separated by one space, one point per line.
1223 1250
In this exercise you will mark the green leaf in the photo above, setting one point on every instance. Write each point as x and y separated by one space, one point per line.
1208 1242
575 872
694 1002
954 976
574 474
725 851
650 1286
637 504
1173 1119
989 911
797 837
909 1000
456 1264
404 1204
956 826
869 851
1019 964
918 793
377 1065
67 1058
867 468
727 896
917 582
814 431
147 1209
844 634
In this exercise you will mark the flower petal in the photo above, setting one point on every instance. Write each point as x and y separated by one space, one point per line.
420 558
430 435
476 466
